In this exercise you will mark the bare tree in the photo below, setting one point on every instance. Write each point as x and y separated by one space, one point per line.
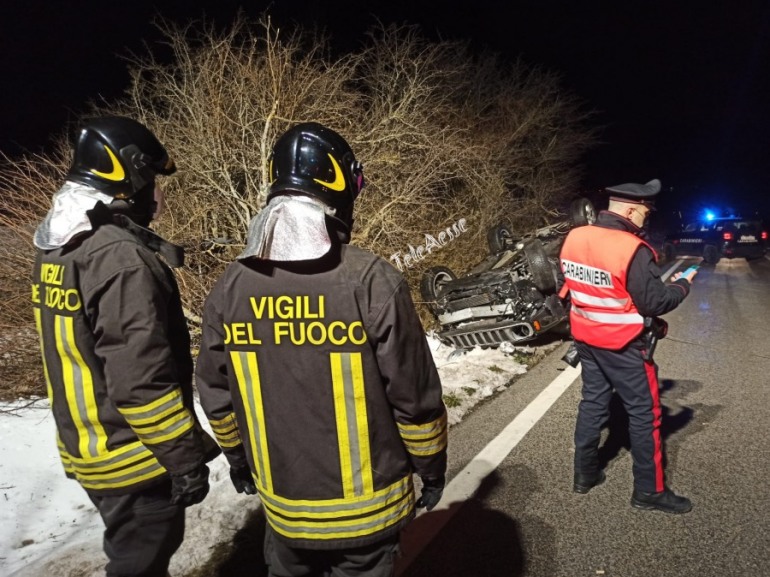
444 135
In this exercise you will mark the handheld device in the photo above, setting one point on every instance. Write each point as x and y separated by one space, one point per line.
690 269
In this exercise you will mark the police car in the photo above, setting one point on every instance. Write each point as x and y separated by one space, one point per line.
716 238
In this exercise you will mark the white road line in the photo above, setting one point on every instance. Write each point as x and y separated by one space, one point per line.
467 481
673 267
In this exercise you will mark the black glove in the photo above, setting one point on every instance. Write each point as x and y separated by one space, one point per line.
432 489
242 480
190 489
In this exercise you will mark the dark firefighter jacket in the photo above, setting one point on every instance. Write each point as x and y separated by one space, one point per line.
325 378
608 312
116 356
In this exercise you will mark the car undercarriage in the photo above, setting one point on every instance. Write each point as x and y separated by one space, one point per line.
511 296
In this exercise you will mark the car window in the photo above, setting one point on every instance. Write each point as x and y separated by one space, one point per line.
692 227
746 226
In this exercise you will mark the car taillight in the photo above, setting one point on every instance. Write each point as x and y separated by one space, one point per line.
764 235
727 235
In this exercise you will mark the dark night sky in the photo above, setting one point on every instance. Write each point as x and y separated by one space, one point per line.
681 87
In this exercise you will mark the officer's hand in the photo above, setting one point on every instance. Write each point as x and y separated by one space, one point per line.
432 489
242 480
688 275
190 489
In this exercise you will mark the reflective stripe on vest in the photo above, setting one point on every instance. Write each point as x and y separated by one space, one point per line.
602 313
611 318
587 299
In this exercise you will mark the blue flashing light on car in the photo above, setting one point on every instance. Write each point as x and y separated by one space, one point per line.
710 215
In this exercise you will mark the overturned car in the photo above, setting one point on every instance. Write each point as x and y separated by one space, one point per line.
510 296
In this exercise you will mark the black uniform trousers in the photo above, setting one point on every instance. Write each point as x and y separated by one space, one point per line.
636 383
142 531
375 560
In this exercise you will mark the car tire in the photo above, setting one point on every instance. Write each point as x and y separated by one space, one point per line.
430 285
668 252
711 254
542 271
497 237
582 212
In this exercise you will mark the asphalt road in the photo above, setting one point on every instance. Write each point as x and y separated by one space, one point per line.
524 519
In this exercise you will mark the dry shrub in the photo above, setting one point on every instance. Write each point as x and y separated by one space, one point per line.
25 185
443 135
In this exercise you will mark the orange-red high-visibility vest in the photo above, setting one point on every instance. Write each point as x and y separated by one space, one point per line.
595 263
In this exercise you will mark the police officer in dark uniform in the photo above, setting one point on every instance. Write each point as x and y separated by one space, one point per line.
616 296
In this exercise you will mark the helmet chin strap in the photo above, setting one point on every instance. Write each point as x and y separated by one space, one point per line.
139 208
341 227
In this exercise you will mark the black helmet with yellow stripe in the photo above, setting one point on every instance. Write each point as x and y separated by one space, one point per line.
119 157
314 160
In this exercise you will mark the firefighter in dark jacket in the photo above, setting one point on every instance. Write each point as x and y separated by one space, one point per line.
116 348
316 376
617 295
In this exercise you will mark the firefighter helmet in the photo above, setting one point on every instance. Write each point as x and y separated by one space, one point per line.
314 160
119 157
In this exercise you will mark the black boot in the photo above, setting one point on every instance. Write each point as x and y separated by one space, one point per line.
666 501
584 482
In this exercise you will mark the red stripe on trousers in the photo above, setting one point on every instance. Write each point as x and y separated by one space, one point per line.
652 381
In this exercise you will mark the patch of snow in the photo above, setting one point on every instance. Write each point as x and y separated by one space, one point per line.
48 526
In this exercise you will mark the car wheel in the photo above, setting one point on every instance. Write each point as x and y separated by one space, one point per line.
497 237
711 254
668 252
431 284
582 212
542 271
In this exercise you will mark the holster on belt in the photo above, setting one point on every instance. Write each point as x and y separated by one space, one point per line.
655 329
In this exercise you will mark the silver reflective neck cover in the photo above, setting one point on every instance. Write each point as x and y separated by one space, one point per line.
67 216
289 228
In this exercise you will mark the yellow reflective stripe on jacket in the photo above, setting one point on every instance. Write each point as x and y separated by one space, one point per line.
352 424
127 465
79 390
122 457
123 478
163 419
226 431
425 439
66 460
154 411
341 507
39 326
340 518
246 371
171 428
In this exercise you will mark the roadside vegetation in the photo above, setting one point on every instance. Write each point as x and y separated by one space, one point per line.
444 134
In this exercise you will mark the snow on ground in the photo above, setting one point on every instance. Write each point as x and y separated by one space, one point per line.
48 526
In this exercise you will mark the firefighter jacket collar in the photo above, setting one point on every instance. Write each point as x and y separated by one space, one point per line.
173 254
289 228
67 216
